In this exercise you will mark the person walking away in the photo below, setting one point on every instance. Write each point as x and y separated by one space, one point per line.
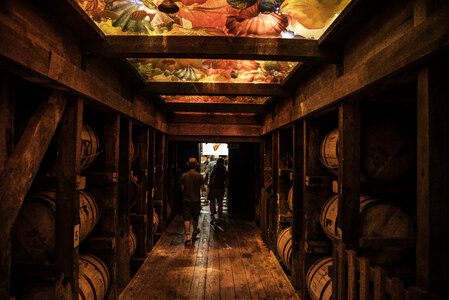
218 181
192 183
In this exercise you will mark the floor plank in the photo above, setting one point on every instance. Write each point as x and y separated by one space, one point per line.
226 261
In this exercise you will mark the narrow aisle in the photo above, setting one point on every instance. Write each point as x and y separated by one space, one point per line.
228 261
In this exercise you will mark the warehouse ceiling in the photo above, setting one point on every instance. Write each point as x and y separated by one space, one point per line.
239 52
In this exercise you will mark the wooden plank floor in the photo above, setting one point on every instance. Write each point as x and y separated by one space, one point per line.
228 261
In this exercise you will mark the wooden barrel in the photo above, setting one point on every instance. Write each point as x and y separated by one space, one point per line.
155 221
33 235
386 149
132 241
290 199
93 278
329 151
319 281
89 147
378 218
284 247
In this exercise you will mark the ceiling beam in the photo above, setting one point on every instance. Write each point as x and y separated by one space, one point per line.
216 107
220 47
221 89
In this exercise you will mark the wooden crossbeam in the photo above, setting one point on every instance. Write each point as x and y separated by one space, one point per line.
220 47
222 89
216 107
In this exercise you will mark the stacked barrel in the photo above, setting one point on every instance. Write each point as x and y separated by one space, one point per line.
386 154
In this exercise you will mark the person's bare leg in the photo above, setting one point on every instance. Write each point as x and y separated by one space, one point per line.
187 229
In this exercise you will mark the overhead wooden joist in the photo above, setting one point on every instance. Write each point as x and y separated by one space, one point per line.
203 129
221 89
216 107
220 47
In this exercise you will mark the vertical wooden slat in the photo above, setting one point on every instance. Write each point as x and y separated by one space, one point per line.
432 263
352 275
341 271
6 148
151 181
398 289
379 283
349 173
108 223
67 220
7 100
364 268
143 142
123 208
273 201
298 272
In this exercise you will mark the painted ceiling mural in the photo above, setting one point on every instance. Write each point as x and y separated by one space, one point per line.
212 70
255 18
215 99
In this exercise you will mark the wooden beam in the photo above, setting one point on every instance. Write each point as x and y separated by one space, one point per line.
324 88
124 203
432 174
221 89
213 138
215 118
67 216
7 100
219 47
26 158
216 107
24 54
190 129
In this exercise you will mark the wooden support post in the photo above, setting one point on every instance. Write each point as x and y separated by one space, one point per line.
123 207
352 275
298 271
7 100
340 250
6 148
273 212
364 268
432 266
108 223
141 229
379 283
67 219
21 168
151 181
349 173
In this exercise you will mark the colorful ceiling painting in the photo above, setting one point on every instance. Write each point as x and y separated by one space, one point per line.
255 18
215 99
212 70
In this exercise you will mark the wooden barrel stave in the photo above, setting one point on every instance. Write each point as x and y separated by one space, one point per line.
132 241
89 147
319 281
378 218
290 199
93 278
33 235
284 247
155 221
329 151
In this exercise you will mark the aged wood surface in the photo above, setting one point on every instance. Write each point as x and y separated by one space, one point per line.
6 117
188 129
216 107
215 118
371 58
124 202
432 174
67 216
207 47
215 88
26 158
225 262
52 60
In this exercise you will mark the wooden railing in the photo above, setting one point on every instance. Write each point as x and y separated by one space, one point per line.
355 275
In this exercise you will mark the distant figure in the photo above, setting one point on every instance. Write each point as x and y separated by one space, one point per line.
210 168
192 183
218 181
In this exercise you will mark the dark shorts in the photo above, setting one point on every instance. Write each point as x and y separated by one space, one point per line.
215 193
191 210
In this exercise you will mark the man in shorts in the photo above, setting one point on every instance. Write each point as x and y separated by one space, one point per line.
192 182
